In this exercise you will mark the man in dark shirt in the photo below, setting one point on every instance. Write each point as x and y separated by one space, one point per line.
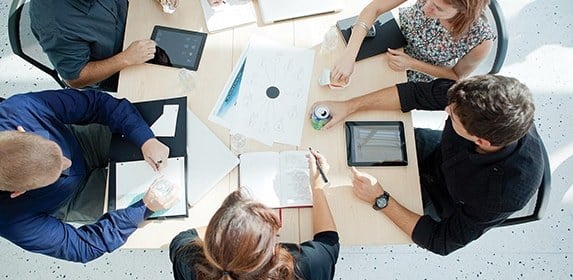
84 38
47 164
485 165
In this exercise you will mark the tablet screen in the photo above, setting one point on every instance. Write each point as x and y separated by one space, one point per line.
177 47
375 143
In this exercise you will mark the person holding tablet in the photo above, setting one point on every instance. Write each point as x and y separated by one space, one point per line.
485 165
84 40
445 39
241 241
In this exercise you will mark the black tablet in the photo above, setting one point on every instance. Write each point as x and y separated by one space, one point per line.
375 143
177 47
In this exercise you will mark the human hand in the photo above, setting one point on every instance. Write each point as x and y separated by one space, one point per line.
170 3
339 110
366 187
139 52
344 67
216 2
161 195
398 60
155 153
314 160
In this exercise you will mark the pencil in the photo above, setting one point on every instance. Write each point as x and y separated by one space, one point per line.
319 167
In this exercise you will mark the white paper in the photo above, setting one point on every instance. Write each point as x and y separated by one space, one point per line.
209 159
276 179
133 179
286 70
228 14
165 125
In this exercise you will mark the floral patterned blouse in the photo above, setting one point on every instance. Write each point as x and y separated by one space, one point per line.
431 42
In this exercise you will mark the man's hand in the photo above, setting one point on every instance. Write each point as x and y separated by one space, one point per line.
339 110
155 153
139 52
366 187
157 198
398 60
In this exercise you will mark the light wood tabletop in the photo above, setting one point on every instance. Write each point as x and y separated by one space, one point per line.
357 222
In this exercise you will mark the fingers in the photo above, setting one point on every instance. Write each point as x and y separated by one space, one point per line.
354 171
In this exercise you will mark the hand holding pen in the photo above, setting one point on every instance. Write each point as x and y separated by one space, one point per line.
318 166
155 153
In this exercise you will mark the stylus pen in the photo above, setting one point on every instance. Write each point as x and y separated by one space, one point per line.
319 167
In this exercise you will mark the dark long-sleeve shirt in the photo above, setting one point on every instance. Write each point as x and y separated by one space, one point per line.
473 191
314 259
26 220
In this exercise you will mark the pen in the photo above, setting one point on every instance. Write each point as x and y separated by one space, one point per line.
319 167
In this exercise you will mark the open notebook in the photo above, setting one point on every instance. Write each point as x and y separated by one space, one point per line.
228 14
276 179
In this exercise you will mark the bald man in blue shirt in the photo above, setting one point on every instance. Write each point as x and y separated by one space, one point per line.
53 149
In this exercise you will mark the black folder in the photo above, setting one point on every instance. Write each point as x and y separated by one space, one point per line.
122 150
388 35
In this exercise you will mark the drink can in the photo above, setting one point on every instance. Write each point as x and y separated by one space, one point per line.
320 117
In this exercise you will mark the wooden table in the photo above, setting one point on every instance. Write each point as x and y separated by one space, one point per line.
356 221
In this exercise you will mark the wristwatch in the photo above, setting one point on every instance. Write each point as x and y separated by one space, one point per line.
382 201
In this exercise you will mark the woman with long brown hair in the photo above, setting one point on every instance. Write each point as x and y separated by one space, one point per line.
240 241
445 39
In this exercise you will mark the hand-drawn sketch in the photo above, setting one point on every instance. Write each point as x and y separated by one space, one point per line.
274 91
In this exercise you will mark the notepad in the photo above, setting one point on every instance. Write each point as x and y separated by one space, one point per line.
276 179
135 177
228 14
388 35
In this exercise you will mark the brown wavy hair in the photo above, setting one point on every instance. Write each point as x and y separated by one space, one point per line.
469 11
493 107
240 243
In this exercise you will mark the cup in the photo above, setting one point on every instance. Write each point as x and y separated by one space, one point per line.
238 143
330 40
188 79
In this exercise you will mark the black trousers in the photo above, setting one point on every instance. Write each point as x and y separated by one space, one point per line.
86 204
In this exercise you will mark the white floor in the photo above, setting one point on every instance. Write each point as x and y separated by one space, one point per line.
540 54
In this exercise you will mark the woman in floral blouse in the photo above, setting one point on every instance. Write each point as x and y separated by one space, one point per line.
445 39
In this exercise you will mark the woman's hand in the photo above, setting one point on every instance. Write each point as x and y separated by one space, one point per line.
315 160
342 70
398 60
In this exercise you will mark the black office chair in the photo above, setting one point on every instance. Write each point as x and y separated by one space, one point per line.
535 209
23 42
493 62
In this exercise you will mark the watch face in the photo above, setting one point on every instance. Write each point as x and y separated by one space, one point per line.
381 201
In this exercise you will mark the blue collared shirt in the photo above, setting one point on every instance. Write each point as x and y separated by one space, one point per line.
26 220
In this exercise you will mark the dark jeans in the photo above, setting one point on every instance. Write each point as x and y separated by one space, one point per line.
428 150
86 204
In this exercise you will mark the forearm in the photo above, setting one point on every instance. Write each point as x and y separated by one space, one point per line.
96 71
321 215
368 15
435 71
384 99
405 219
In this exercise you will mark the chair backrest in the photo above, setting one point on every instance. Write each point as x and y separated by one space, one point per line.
535 209
493 62
23 42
